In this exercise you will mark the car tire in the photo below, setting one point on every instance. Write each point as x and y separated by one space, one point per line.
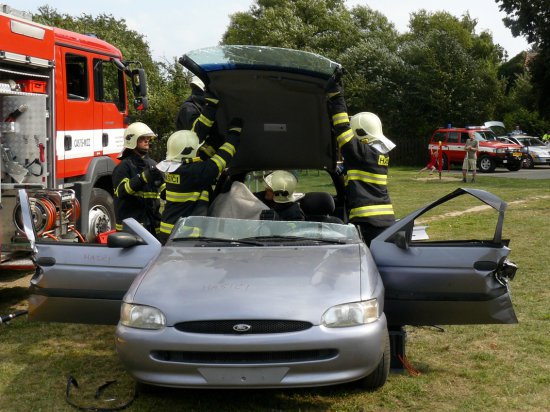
101 214
529 163
445 162
486 164
378 377
514 167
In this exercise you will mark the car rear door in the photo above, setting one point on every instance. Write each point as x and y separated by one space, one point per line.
445 282
83 282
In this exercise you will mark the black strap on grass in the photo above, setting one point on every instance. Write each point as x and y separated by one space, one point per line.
71 381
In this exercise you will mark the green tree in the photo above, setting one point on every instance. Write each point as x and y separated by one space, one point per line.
531 18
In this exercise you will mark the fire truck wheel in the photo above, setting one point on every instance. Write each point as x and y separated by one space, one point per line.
101 215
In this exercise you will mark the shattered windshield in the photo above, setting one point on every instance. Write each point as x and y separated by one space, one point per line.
259 57
260 232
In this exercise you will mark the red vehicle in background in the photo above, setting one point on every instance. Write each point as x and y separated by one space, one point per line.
63 111
492 153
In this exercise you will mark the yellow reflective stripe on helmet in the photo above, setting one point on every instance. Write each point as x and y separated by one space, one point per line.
340 118
366 177
182 197
373 210
166 227
219 162
344 138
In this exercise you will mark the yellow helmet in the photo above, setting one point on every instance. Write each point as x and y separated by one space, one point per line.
367 127
283 184
181 145
134 132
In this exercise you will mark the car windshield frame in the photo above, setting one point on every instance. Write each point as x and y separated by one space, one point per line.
249 231
529 139
232 57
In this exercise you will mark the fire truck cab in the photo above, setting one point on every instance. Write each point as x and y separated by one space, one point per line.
63 111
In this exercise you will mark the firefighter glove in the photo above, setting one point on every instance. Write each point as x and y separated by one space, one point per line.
152 175
236 125
211 98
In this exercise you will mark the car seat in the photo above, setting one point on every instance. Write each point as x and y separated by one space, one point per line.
319 207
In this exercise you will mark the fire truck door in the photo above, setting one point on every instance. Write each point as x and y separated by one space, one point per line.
109 92
75 113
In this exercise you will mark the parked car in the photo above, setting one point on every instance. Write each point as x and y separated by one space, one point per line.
536 152
250 303
492 153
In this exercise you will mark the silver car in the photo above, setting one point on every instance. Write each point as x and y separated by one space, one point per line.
536 152
239 302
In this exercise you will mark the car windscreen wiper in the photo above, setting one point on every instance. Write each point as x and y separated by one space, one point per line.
206 239
269 238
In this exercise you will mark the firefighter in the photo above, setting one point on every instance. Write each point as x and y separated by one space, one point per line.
364 149
137 182
280 197
198 113
189 178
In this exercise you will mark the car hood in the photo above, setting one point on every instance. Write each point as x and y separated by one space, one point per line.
280 95
499 145
191 283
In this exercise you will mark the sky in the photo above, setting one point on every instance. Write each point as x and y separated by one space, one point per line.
173 28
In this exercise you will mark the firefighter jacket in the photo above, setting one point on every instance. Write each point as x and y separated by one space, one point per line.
198 114
188 187
133 196
366 172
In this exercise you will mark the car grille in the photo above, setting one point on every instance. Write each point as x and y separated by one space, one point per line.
255 326
245 357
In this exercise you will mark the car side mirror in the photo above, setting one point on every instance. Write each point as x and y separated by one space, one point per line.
401 239
124 240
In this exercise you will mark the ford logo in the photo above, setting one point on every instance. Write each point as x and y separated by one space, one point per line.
241 327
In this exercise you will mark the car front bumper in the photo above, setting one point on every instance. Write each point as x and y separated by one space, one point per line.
314 357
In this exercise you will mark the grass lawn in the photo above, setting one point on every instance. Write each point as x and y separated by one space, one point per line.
466 368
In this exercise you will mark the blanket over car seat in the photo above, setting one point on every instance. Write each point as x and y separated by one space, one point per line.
238 203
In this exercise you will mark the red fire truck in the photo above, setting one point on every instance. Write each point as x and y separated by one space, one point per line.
63 110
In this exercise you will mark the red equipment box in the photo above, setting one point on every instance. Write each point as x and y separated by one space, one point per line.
32 86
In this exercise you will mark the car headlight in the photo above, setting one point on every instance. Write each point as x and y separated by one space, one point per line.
500 150
351 314
141 316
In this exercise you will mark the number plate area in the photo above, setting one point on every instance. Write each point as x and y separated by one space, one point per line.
244 376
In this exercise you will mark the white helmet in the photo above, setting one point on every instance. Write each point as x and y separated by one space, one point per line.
195 81
181 145
368 127
283 184
134 132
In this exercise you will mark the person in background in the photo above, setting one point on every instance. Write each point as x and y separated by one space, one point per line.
365 151
546 137
280 196
137 182
189 179
198 114
517 130
431 166
470 159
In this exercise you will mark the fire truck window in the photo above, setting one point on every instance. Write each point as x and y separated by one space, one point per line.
77 79
463 137
109 84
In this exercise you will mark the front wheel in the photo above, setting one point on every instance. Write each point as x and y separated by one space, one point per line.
378 377
101 214
487 165
529 163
